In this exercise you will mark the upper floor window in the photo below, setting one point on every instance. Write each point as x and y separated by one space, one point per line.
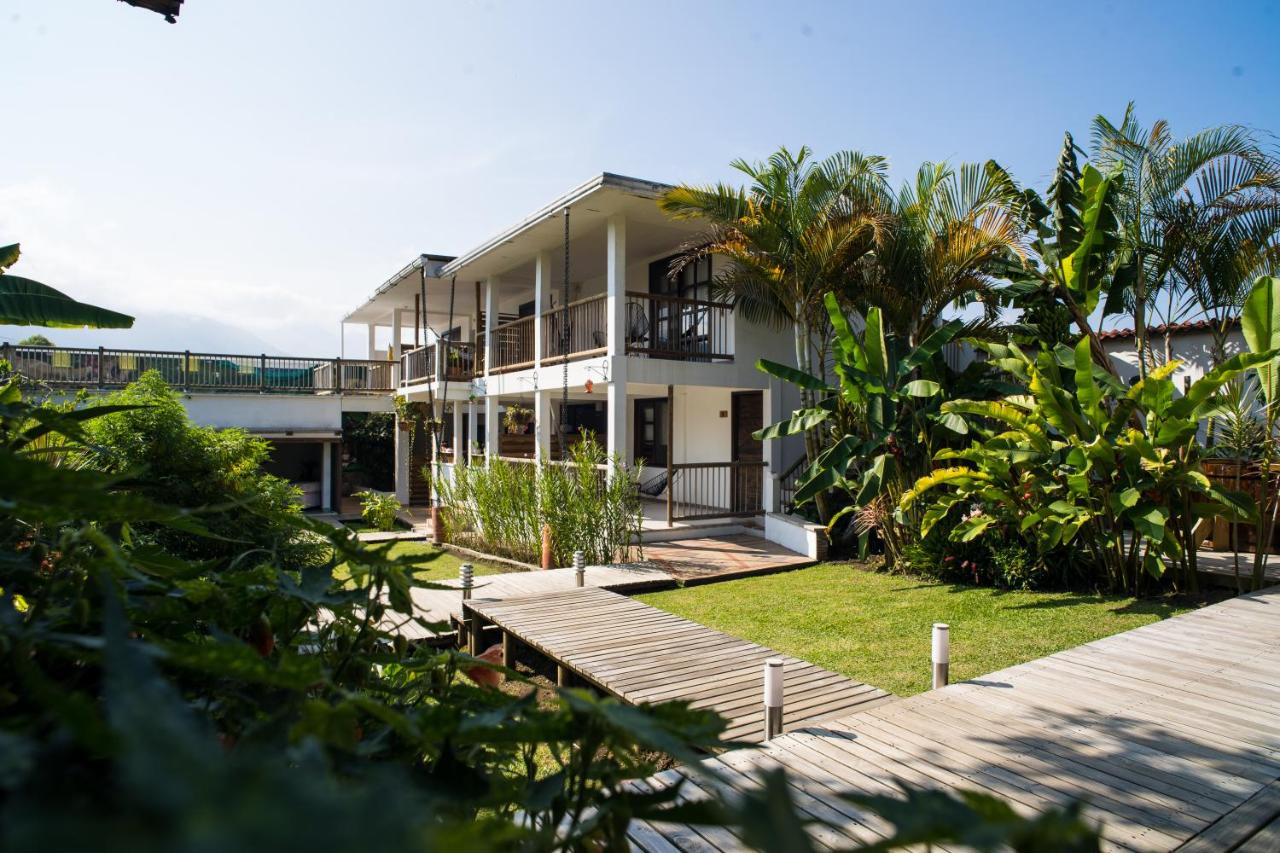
692 282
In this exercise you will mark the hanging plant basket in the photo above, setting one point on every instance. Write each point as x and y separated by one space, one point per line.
516 418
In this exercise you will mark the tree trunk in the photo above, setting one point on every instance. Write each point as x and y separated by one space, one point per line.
812 446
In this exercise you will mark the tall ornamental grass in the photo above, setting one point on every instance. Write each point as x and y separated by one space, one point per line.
501 508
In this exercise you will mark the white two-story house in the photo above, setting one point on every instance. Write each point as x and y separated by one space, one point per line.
664 375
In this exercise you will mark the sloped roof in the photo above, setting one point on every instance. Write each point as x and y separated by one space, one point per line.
1186 328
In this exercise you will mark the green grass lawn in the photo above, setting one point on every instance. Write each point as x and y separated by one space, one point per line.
437 563
876 627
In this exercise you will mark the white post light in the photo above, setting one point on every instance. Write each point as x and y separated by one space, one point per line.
467 575
941 654
772 698
580 567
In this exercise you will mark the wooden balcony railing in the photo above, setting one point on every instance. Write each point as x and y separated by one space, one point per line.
677 328
85 367
513 344
580 331
459 360
418 365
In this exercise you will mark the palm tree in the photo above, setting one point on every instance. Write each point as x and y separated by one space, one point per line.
796 232
1222 170
1219 257
953 235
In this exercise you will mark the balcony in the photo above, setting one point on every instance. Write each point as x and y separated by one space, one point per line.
657 326
85 367
452 360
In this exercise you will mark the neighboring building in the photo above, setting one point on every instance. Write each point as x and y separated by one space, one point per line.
660 372
295 403
1191 343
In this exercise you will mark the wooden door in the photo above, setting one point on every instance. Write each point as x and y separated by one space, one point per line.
747 481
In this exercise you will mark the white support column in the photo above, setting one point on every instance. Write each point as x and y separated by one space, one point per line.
373 341
471 431
492 425
490 322
402 464
542 406
397 333
326 476
459 439
616 285
618 439
772 406
541 287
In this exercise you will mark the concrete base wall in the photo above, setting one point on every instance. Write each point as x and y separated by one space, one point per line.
796 534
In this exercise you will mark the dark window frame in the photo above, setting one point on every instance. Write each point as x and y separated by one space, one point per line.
648 450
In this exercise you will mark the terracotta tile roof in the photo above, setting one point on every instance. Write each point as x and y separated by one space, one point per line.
1188 327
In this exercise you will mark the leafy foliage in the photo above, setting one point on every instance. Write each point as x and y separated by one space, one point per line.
880 419
797 232
379 510
148 442
24 302
140 687
590 501
1082 459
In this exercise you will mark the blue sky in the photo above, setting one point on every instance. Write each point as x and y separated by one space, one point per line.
245 177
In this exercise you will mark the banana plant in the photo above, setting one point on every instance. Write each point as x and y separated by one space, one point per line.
1260 324
876 422
1081 459
24 302
1075 236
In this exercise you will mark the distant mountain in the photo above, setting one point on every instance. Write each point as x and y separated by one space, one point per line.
160 331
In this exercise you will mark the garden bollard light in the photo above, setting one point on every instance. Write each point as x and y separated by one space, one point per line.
772 698
580 567
941 654
467 575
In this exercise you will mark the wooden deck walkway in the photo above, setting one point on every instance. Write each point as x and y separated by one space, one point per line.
445 605
642 654
1170 732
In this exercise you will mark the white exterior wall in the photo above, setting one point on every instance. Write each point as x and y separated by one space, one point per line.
265 411
1193 349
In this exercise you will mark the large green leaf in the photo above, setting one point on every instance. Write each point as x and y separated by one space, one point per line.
24 302
9 256
1260 323
845 340
874 345
790 374
1077 266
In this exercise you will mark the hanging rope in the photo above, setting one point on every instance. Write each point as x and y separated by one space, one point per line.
564 348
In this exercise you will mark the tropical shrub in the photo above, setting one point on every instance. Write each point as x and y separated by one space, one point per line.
590 501
879 419
379 510
1081 459
145 436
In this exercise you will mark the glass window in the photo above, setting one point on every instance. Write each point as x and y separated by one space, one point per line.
651 442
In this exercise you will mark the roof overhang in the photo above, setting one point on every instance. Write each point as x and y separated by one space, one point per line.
509 254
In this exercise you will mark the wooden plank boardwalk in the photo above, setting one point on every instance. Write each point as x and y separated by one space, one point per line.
1170 732
642 654
445 605
1222 564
